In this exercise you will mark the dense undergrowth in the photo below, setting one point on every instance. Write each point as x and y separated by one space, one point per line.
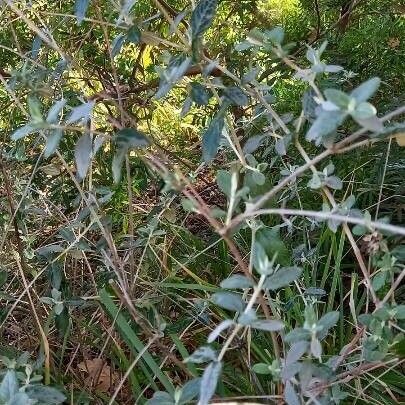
202 201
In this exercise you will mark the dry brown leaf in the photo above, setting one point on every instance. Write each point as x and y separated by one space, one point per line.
394 43
99 374
400 138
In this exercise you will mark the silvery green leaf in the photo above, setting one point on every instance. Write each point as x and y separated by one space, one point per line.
52 141
253 143
373 124
188 102
229 301
297 350
315 292
177 20
364 110
236 96
329 169
333 225
311 55
131 138
58 308
47 300
189 391
334 182
260 259
81 112
247 317
283 277
316 348
45 395
276 35
379 280
290 370
243 46
219 329
175 70
202 17
134 34
23 131
297 335
237 281
325 123
36 46
349 202
258 178
328 320
199 94
81 7
34 107
209 382
366 89
211 138
9 386
282 144
333 68
116 44
268 325
83 154
338 98
54 111
251 75
315 183
224 179
399 312
202 355
117 162
21 398
290 396
161 398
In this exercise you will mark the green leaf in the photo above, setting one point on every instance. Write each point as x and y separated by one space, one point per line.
209 382
134 34
364 110
283 277
34 107
211 138
399 312
199 94
227 300
3 278
202 17
237 281
261 368
134 343
23 131
270 239
81 7
83 155
236 96
366 89
260 259
334 182
339 98
269 325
